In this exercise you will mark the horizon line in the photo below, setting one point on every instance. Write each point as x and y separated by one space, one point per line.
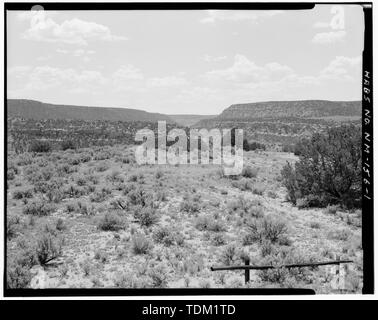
182 114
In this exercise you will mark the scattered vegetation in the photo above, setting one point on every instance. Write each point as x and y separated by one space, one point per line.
111 222
102 210
140 244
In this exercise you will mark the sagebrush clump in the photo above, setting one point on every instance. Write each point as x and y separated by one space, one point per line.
111 222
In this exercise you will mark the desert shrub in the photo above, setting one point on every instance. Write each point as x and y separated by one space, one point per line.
72 191
40 146
48 248
90 188
55 194
193 264
85 210
161 196
165 236
249 172
290 182
65 169
158 174
190 204
204 283
315 225
273 229
128 160
342 234
102 155
353 220
43 161
81 180
268 228
284 276
10 174
19 265
266 248
206 223
74 161
102 167
13 226
243 184
23 194
12 170
18 276
94 179
45 186
180 239
70 207
140 197
277 275
130 280
37 175
127 188
60 225
249 239
111 222
147 216
234 205
87 266
24 159
133 178
218 239
272 194
101 255
158 275
216 226
329 169
258 190
50 228
245 208
202 222
229 254
124 280
140 244
101 195
38 208
119 203
115 176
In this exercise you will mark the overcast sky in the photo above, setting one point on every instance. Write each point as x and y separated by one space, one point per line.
184 61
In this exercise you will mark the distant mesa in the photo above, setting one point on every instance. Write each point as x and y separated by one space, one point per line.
306 109
30 109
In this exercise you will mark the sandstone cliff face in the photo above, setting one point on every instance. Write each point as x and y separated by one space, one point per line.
284 122
301 109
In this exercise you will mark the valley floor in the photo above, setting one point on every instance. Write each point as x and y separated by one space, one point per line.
124 225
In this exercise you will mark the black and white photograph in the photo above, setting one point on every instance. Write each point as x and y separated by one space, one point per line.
186 148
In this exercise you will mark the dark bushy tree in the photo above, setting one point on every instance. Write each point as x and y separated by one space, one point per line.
250 146
328 170
40 146
68 144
